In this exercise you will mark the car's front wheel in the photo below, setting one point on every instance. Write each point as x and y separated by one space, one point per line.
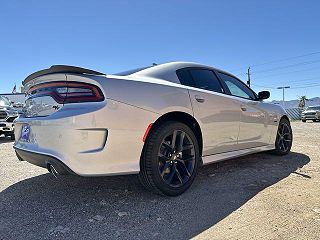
170 159
284 138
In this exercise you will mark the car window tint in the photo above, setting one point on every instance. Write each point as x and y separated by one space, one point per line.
313 108
185 77
206 79
236 87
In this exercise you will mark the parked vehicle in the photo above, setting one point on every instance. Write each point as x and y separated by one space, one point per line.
7 116
311 113
161 121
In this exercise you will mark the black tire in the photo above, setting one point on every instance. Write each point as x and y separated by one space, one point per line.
166 171
284 138
304 120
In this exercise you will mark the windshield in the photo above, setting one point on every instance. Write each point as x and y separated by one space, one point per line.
4 101
129 72
314 108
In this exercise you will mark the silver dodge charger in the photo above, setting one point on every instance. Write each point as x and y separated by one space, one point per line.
161 122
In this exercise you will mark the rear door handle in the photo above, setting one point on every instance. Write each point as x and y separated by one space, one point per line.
243 108
199 99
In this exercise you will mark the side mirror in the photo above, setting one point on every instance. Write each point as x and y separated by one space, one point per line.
263 95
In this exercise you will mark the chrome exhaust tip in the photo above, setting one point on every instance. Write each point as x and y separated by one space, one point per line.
52 170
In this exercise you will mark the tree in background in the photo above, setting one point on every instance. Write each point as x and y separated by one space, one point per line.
302 101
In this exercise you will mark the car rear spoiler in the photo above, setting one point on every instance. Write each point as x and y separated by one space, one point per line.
60 69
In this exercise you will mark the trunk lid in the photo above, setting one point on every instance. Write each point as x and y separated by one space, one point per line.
38 105
49 89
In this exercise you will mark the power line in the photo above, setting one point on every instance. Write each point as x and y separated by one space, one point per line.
318 85
294 87
293 82
287 66
280 60
299 80
263 86
282 67
286 59
307 85
272 75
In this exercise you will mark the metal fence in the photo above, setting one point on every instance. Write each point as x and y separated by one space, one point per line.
294 113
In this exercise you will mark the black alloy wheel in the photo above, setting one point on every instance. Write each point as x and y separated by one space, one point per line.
176 158
284 138
170 159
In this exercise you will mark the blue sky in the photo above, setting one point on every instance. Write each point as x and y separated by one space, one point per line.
112 36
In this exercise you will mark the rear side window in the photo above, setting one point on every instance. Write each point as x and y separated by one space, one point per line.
237 88
200 78
185 77
206 79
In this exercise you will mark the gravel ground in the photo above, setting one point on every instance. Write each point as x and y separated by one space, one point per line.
254 197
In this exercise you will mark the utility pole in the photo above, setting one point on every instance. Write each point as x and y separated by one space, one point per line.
248 82
283 94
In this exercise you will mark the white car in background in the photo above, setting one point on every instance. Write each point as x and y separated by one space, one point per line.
7 116
311 113
162 122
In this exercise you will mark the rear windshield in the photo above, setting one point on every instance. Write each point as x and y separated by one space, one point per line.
4 101
129 72
314 108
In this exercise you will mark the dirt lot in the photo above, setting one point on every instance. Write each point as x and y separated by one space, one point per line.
255 197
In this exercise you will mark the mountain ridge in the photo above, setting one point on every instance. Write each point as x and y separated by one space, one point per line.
294 103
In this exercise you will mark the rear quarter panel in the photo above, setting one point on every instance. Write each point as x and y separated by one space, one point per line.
150 94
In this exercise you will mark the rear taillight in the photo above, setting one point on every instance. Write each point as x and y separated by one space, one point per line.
68 92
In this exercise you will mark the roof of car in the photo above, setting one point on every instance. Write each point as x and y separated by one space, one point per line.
167 71
172 66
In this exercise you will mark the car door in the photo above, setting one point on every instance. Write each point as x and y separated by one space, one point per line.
254 122
217 114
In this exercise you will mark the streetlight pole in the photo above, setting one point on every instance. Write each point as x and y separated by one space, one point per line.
283 94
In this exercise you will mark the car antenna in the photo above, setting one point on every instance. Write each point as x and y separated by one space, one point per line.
154 64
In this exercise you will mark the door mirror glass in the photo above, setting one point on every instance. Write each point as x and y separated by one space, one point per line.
263 95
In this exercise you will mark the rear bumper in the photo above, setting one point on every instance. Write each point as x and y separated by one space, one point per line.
95 139
43 160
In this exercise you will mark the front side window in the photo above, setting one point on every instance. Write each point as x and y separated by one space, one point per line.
237 88
206 79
